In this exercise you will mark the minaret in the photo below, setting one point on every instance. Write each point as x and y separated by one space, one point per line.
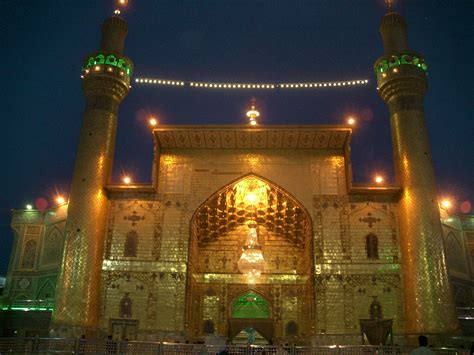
105 81
401 76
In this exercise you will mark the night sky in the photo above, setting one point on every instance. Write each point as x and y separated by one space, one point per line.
44 43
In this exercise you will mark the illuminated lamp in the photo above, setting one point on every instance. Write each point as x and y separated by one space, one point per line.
446 204
153 121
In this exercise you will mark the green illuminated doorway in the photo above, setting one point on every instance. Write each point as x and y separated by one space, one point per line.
250 319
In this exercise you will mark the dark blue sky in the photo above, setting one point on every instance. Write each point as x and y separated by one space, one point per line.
44 42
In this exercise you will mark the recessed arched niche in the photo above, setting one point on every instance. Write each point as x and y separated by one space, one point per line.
219 234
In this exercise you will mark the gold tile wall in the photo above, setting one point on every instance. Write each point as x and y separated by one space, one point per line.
330 299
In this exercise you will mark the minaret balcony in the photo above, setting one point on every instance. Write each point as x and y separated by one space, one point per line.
393 69
109 65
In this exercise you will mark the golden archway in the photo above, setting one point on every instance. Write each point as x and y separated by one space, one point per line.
218 231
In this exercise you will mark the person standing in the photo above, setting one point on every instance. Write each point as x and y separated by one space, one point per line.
423 348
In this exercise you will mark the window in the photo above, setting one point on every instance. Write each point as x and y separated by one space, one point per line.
125 307
372 246
29 254
131 243
291 328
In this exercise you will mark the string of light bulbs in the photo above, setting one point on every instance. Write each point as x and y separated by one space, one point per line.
251 86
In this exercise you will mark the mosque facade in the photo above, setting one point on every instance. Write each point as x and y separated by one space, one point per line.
244 228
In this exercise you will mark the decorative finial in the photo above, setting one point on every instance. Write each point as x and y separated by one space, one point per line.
119 6
253 113
389 4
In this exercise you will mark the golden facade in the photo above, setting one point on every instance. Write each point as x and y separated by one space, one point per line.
162 261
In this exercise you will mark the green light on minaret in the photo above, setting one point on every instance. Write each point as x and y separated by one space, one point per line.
402 59
110 59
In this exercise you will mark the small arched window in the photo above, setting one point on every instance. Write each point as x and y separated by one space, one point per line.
372 246
125 307
131 244
291 328
29 254
208 327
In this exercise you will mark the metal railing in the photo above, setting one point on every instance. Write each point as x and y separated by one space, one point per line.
107 346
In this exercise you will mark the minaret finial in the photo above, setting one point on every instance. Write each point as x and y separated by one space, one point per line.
253 113
389 4
119 6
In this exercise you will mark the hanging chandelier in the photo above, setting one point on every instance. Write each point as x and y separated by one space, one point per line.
251 262
249 195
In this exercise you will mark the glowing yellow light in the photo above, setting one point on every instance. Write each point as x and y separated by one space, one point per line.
378 179
117 12
351 120
153 121
127 180
253 113
395 70
87 71
446 204
60 200
253 123
29 207
97 68
251 262
251 197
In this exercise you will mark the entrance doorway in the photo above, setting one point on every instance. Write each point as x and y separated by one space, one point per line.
250 320
249 335
221 299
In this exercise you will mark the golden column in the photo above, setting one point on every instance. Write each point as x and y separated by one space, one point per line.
105 81
401 75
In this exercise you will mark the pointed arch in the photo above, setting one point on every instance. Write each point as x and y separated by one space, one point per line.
250 304
29 254
131 244
372 246
125 306
216 216
217 231
455 257
46 290
52 247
